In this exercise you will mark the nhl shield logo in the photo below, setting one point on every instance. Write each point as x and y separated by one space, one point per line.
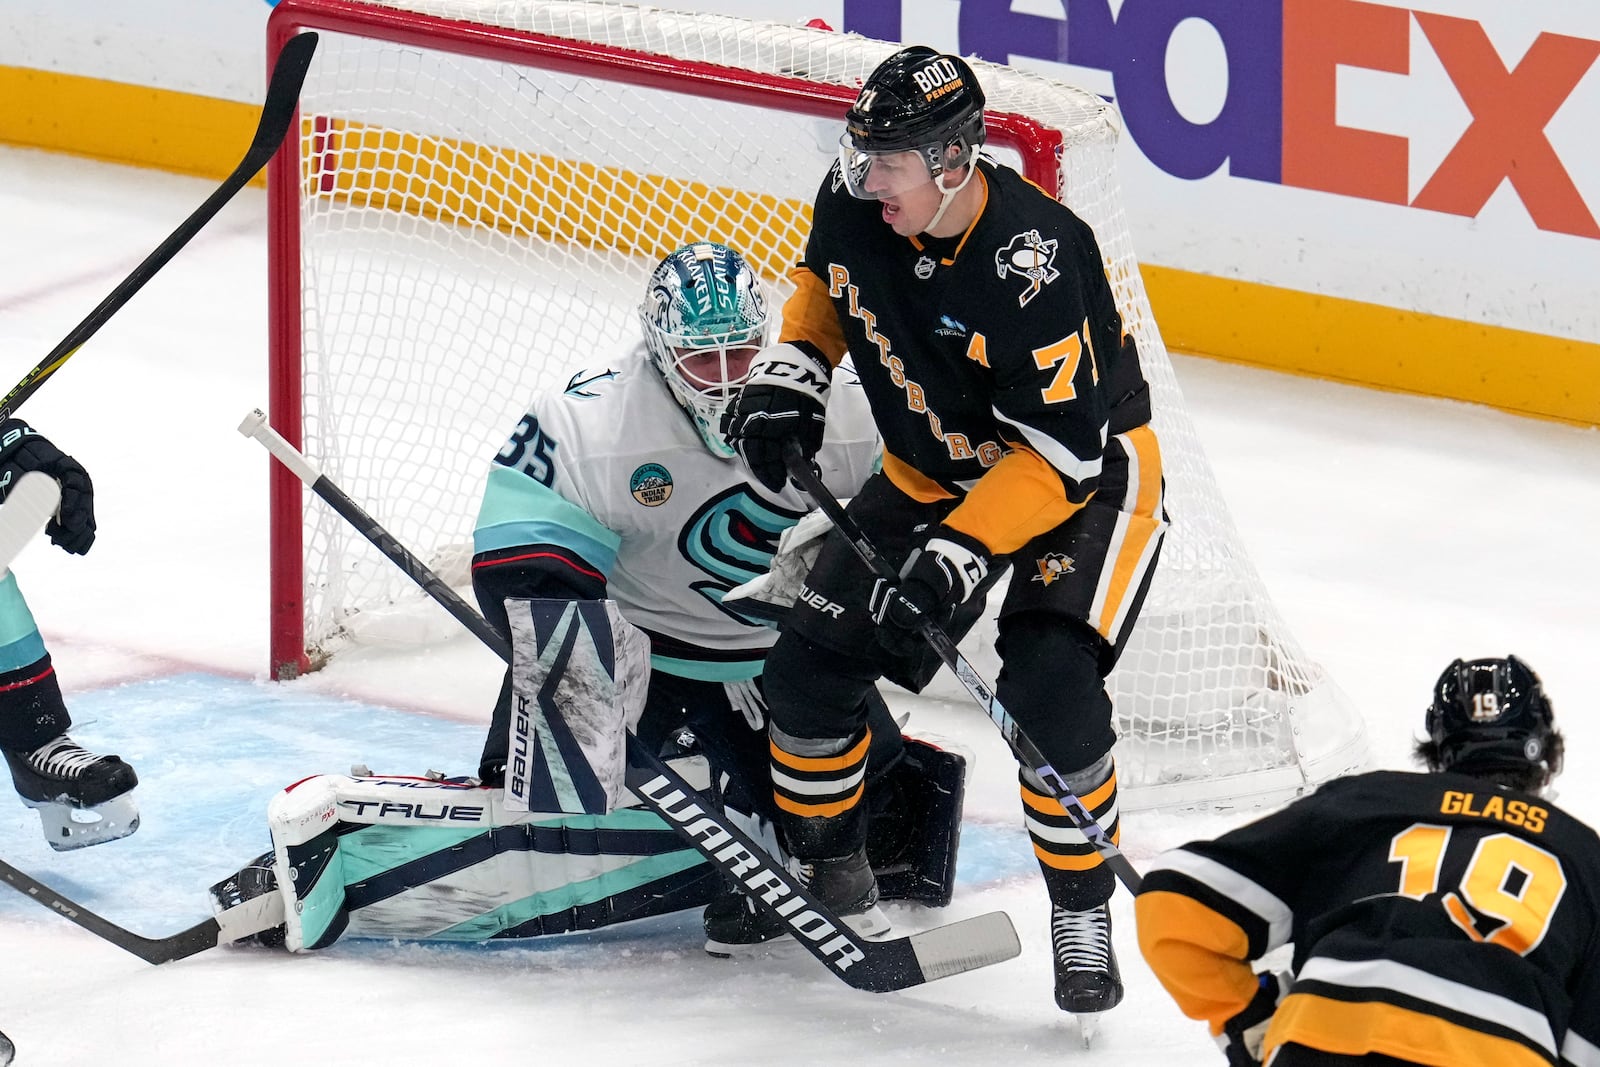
924 268
1054 565
1032 257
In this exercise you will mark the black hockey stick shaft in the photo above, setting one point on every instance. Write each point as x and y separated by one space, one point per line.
182 944
804 475
283 96
876 966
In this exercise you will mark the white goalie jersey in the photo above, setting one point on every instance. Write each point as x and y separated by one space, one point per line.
610 472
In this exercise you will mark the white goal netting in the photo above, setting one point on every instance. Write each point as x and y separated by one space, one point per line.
477 192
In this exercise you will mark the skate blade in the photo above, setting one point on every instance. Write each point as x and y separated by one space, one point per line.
1088 1027
68 827
872 924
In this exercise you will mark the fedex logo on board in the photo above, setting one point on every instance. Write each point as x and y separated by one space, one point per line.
1280 120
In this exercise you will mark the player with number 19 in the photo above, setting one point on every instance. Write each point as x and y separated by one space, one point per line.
1448 919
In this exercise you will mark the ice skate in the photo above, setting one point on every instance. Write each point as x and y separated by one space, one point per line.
1088 982
733 923
82 799
845 884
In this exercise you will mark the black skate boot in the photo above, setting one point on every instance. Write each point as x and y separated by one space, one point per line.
1087 978
82 799
733 919
844 884
249 900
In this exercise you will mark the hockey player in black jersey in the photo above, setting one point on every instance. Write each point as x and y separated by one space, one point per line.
1450 918
1015 422
82 798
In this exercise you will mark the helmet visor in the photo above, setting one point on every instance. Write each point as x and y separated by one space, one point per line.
876 175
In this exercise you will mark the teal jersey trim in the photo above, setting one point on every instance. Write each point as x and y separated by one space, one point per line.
20 643
706 671
517 510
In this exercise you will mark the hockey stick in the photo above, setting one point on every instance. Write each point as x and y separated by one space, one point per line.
184 943
283 96
876 966
806 477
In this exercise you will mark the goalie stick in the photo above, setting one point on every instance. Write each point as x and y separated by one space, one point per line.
876 966
806 478
184 943
283 96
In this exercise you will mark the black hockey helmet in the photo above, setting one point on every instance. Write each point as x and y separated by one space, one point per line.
918 100
1491 715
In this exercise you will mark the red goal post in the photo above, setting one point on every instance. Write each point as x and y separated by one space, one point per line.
475 194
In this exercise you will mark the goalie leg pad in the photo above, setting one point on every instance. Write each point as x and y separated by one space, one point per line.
580 673
915 832
434 859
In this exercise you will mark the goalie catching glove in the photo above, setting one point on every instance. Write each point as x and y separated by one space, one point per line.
785 398
1243 1035
937 578
24 449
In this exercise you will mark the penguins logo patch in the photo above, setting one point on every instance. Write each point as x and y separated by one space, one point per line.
1054 565
1029 256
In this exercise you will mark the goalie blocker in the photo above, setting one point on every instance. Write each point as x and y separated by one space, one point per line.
564 847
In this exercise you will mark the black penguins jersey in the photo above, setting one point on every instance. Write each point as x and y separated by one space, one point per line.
1435 918
995 358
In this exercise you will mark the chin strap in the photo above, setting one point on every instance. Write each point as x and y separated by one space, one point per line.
948 196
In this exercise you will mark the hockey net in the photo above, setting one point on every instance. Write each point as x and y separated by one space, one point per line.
478 190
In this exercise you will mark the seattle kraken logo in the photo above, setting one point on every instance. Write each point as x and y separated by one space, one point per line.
732 537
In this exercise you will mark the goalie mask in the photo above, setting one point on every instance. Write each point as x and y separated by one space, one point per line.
918 115
705 318
1492 715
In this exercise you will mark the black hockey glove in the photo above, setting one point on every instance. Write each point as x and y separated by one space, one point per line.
24 449
1243 1035
785 398
937 578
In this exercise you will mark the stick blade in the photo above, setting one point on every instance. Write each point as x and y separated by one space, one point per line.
283 97
966 945
30 504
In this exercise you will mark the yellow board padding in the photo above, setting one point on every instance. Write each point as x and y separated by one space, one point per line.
1261 325
1373 345
119 123
521 193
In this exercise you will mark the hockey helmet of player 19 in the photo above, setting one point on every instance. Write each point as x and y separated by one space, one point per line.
1492 714
704 317
917 100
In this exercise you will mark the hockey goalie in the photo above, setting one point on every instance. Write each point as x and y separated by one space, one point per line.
562 846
